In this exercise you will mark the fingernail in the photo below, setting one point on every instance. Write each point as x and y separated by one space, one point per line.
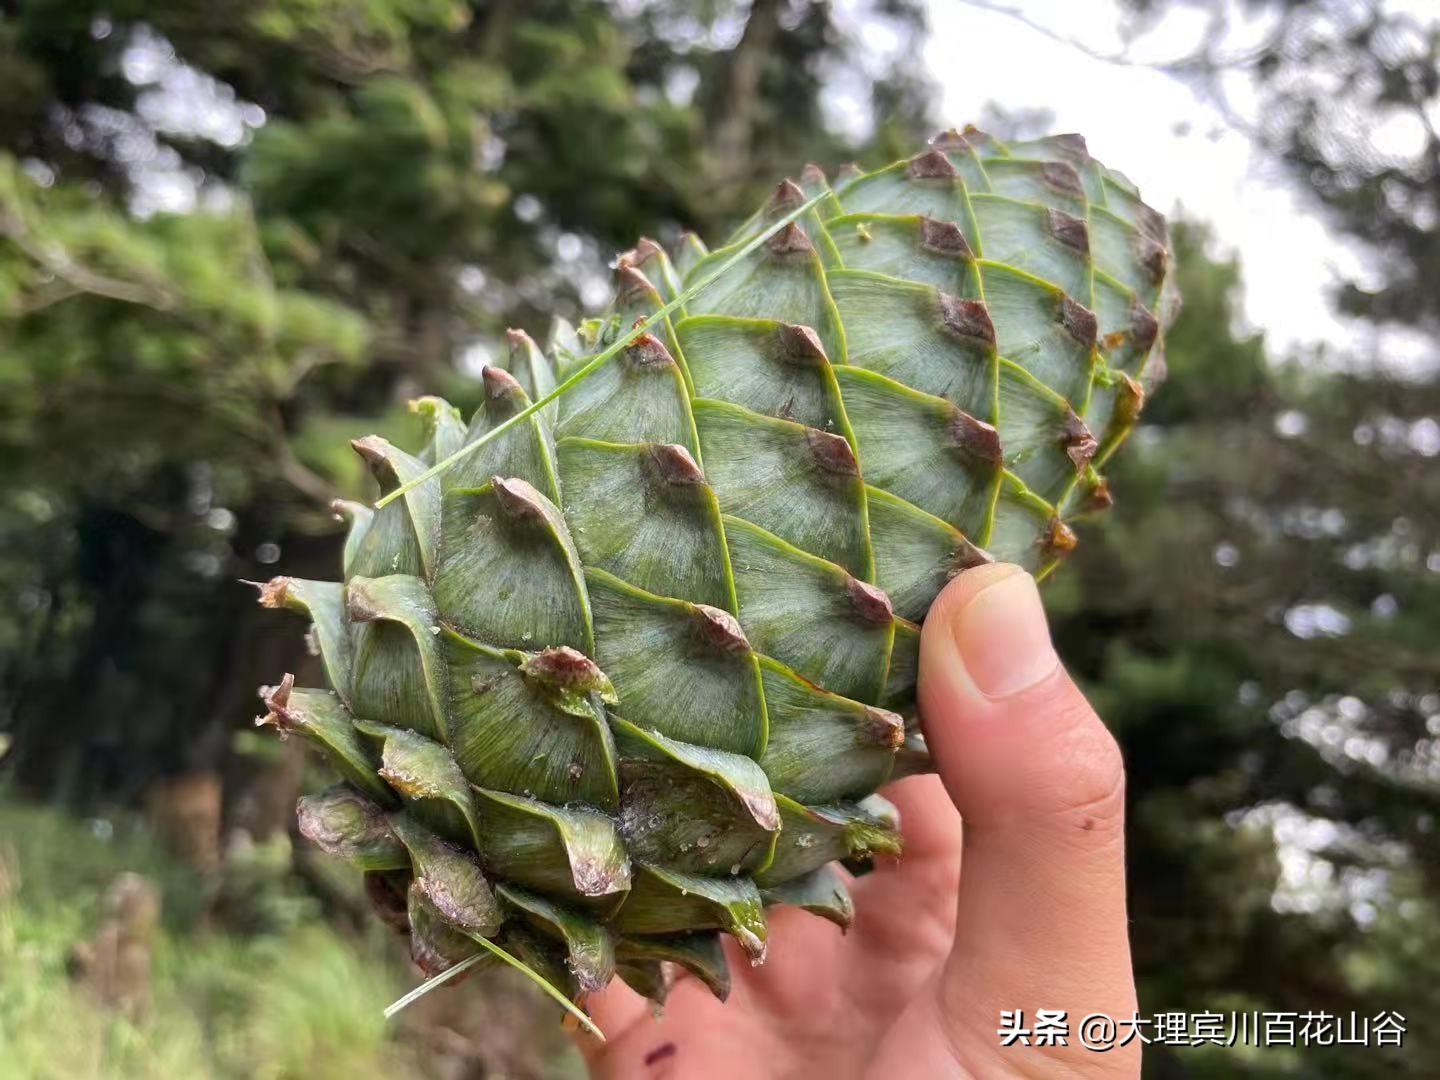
1003 637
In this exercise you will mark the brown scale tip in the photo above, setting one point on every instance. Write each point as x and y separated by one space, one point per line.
1062 177
801 345
1151 222
372 448
674 464
883 728
1059 540
517 498
1071 145
847 172
274 593
967 318
1144 327
358 603
950 139
975 436
791 240
869 601
1079 321
644 250
944 238
1152 256
562 666
832 453
977 137
967 556
1070 231
1129 401
813 175
1079 443
647 351
786 196
720 629
1097 496
930 165
632 285
499 383
517 339
277 702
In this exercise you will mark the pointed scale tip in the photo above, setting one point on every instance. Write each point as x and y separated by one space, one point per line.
500 384
869 601
975 437
950 140
1061 176
1072 146
1151 222
277 702
518 339
359 604
967 556
931 165
786 196
791 240
373 448
1079 321
801 345
648 351
967 318
847 172
1068 230
1152 256
719 629
674 465
1129 402
567 668
883 728
644 250
944 238
1059 540
813 175
632 285
274 593
1098 496
518 499
832 453
976 137
1144 327
1079 443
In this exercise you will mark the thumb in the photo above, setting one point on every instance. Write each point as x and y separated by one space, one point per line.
1039 784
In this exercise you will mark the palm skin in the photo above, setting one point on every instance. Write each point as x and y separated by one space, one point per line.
916 986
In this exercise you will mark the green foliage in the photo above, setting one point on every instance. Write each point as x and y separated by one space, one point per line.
305 1001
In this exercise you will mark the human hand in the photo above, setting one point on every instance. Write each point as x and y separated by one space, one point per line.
915 989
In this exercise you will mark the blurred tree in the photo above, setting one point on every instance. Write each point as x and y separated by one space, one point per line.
1346 93
1269 653
1256 621
233 235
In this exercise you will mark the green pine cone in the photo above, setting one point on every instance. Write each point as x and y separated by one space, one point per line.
631 672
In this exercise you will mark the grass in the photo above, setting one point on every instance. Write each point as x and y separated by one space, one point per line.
305 1001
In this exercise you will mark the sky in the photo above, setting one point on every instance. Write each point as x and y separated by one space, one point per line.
1178 148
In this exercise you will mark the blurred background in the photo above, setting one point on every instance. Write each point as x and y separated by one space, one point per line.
235 235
